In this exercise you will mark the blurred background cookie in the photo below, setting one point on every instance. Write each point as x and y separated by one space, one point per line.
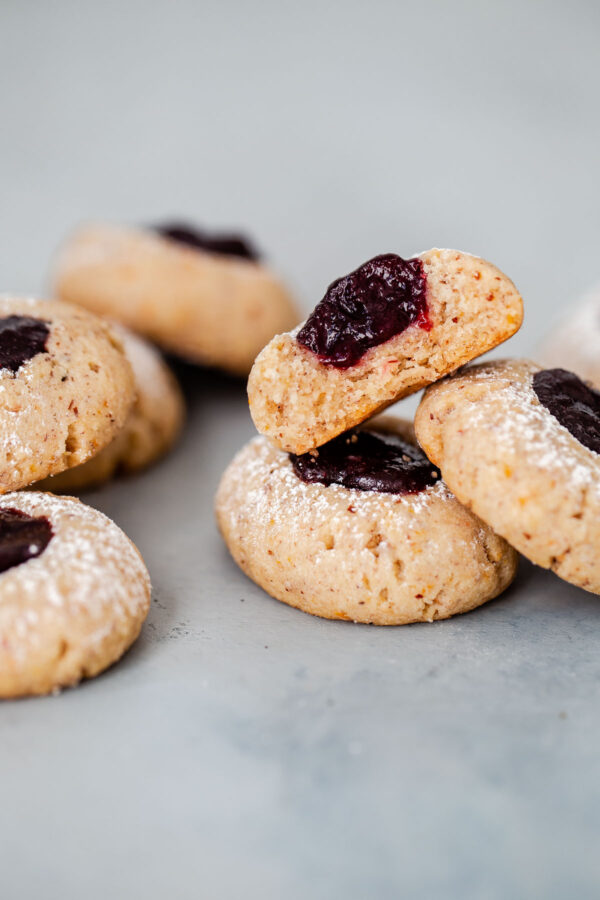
74 592
574 343
363 529
66 386
151 429
208 299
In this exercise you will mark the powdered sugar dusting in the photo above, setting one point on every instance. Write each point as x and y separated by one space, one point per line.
63 404
275 498
523 425
12 440
89 575
346 553
321 502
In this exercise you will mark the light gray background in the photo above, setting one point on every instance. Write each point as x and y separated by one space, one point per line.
243 749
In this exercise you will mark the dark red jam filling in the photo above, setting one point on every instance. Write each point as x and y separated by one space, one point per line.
369 306
368 461
222 244
21 338
22 537
575 405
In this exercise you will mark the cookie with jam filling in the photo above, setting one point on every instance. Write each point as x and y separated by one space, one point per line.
382 332
520 446
361 529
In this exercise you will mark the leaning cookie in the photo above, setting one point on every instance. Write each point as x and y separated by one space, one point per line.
574 343
66 387
363 529
382 332
208 300
519 445
151 429
74 592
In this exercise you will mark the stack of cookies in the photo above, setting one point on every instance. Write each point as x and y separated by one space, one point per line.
347 514
85 398
334 509
74 590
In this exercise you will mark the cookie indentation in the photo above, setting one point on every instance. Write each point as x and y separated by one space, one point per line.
368 461
369 306
222 244
22 537
575 405
21 338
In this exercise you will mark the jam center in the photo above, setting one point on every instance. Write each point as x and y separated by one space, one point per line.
368 461
575 405
22 537
222 244
21 338
369 306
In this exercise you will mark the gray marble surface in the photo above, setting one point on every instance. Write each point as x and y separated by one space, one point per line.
243 749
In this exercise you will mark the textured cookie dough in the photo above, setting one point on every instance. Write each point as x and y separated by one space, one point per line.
210 309
364 556
74 609
506 457
574 343
151 429
65 403
301 403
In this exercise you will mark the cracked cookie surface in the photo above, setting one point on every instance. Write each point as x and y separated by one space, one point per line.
300 402
509 459
74 602
62 403
359 555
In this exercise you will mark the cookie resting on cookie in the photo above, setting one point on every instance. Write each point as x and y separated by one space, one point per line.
66 388
384 331
151 428
74 592
208 299
519 445
363 530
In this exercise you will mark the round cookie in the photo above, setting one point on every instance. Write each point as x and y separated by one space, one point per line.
151 429
519 445
383 332
205 299
74 592
574 343
369 552
66 388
